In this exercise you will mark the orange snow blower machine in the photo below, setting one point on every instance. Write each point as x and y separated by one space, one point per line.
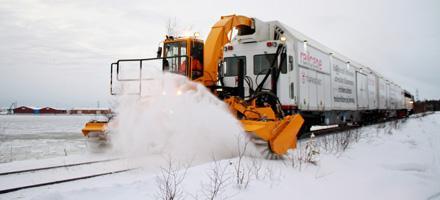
259 111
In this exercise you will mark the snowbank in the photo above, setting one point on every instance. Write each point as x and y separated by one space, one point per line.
391 161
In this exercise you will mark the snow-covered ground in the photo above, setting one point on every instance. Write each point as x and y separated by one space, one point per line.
25 137
396 160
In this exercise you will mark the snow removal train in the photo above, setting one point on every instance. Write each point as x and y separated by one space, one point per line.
277 81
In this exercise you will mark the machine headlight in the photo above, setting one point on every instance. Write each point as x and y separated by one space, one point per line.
283 39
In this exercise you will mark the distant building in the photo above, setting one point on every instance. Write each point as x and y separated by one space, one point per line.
3 111
49 110
26 110
89 111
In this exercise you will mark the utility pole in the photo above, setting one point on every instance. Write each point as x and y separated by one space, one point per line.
417 95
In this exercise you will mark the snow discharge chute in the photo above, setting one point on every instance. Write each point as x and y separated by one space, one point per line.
217 38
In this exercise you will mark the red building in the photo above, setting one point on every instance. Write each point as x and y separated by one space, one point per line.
89 111
25 110
49 110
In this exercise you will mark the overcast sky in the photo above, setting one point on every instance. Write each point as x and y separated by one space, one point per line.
58 52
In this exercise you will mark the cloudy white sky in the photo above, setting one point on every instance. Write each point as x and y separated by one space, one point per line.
57 52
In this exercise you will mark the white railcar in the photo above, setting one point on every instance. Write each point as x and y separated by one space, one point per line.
313 79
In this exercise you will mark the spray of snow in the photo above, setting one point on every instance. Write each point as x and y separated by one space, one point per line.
176 117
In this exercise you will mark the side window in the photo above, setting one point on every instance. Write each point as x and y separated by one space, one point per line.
170 62
263 62
292 91
291 63
231 65
183 48
284 63
183 64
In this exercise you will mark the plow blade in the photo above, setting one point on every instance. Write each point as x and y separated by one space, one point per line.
96 127
285 134
280 135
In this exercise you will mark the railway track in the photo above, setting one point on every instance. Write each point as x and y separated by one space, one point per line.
55 166
327 131
339 129
36 177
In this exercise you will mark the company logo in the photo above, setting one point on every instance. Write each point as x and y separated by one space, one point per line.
306 58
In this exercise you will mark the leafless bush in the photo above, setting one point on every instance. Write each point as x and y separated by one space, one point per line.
309 155
218 180
291 160
169 182
356 135
242 172
256 167
324 143
271 174
340 142
306 152
344 140
389 129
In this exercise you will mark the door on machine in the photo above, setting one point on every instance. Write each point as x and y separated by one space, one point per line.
262 65
230 72
175 58
362 90
196 60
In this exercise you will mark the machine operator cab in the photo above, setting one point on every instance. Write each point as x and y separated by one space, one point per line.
182 56
257 58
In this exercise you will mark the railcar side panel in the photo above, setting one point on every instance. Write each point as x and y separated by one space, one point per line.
343 86
323 91
308 89
372 92
382 93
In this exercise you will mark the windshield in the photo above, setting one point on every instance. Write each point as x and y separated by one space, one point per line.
175 58
263 62
231 65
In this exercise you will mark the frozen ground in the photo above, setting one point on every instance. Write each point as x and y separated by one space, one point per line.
397 160
41 136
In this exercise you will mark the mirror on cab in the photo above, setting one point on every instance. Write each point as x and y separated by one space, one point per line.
225 67
159 52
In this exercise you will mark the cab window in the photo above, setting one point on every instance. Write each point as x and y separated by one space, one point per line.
231 65
262 63
175 59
